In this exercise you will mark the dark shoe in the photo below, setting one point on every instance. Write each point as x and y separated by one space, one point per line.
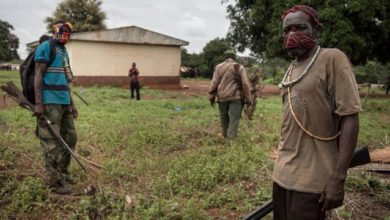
63 190
60 189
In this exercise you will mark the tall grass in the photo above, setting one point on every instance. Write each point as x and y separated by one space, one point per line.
165 153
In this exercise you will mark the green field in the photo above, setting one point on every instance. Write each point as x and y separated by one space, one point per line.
166 156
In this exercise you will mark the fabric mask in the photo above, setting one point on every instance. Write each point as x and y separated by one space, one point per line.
299 39
63 37
61 34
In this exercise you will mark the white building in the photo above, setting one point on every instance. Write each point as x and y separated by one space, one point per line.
105 57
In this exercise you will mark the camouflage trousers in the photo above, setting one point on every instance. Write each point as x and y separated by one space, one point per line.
56 156
230 114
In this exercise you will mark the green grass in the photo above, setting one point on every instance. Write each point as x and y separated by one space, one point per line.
164 152
6 76
9 76
374 122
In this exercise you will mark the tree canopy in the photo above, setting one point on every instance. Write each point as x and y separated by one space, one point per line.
213 53
9 42
359 28
85 15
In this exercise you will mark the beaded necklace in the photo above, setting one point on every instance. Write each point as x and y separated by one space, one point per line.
300 124
285 83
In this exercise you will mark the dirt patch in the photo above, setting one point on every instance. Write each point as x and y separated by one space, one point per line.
195 88
201 87
381 155
6 101
192 87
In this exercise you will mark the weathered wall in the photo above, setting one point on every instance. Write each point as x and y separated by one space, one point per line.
160 82
114 59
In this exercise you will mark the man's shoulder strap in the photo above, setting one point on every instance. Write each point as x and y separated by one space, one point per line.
52 44
237 70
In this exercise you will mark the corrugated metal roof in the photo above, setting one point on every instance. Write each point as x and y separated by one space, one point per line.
130 34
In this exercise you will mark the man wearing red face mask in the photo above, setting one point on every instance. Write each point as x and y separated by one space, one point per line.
320 122
53 99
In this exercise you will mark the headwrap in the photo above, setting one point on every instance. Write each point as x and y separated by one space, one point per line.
307 10
59 33
299 39
58 27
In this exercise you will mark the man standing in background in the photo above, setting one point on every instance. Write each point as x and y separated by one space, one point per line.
134 83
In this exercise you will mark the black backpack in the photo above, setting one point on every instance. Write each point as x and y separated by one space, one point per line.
27 72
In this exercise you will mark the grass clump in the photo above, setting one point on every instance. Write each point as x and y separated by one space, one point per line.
30 194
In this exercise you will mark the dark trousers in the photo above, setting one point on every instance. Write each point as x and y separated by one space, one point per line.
134 85
230 114
294 205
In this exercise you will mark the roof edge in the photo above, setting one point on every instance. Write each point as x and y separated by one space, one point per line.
185 43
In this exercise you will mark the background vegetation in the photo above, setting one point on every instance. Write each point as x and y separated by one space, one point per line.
9 42
84 15
359 28
163 158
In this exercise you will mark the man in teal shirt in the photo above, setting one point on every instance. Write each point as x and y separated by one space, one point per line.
53 99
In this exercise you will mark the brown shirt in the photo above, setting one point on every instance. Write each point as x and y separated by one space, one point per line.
224 86
327 91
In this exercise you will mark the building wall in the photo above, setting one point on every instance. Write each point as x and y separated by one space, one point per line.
108 63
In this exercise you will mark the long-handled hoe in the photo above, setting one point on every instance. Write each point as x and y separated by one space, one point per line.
11 89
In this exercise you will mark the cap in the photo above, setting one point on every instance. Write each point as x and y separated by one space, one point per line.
229 52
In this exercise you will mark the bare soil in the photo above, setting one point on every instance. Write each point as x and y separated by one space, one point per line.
6 101
201 87
381 155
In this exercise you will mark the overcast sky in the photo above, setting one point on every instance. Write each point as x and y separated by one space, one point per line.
195 21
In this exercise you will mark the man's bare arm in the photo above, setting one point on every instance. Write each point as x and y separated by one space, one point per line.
73 107
40 69
333 194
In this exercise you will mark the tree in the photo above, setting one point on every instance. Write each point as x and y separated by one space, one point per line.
372 72
84 15
186 59
274 69
193 61
9 43
360 28
213 54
